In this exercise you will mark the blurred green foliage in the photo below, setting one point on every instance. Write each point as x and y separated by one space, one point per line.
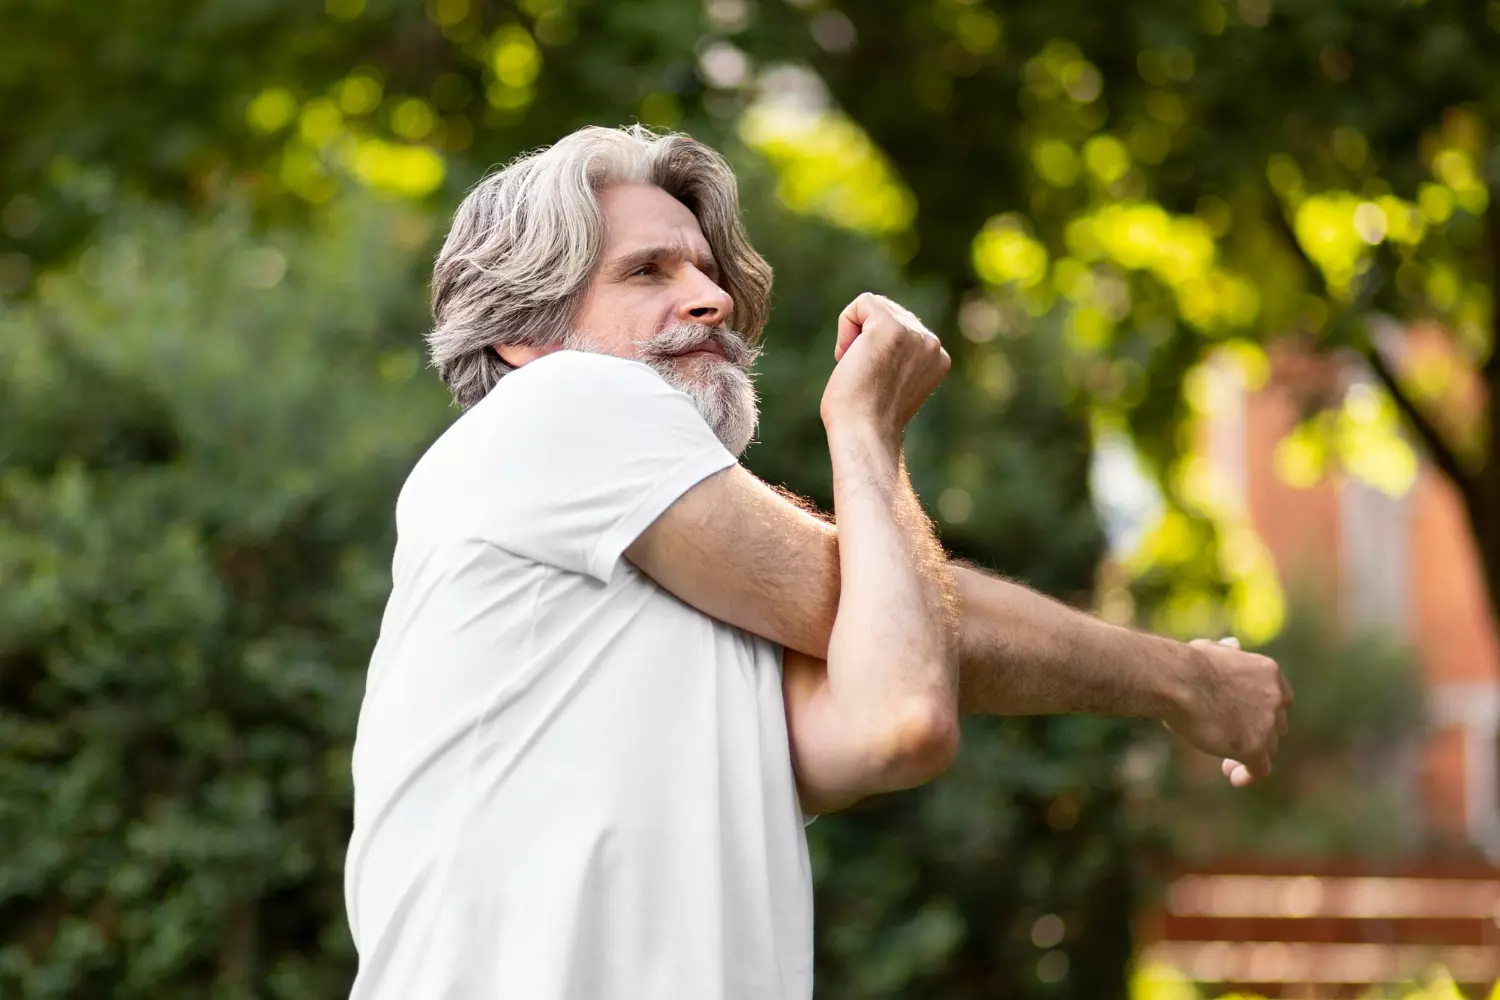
204 433
1174 178
215 219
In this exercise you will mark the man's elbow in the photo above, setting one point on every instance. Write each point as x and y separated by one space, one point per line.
921 744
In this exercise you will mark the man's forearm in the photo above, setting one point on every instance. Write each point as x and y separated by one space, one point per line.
1021 653
893 638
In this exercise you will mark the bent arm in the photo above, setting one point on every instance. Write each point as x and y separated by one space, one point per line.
883 715
880 714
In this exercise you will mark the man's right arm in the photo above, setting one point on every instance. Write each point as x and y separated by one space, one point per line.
881 714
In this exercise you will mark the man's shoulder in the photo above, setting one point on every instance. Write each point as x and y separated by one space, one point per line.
526 405
523 395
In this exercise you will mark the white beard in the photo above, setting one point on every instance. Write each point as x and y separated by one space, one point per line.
721 389
724 394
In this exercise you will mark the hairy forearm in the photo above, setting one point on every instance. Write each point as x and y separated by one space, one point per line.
893 639
1019 652
1025 654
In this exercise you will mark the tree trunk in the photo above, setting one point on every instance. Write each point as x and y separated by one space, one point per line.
1478 488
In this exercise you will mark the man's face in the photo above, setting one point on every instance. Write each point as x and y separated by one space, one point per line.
654 297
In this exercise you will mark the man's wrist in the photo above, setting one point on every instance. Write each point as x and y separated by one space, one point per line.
1161 676
1172 688
861 433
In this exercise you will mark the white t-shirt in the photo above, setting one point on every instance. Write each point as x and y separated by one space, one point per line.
569 785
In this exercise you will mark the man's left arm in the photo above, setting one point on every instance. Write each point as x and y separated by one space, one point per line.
1025 654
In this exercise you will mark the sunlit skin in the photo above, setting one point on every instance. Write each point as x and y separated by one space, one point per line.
656 270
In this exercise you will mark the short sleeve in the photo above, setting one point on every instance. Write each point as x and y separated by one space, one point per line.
583 453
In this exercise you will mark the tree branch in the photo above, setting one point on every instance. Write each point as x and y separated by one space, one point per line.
1438 449
1276 216
1433 443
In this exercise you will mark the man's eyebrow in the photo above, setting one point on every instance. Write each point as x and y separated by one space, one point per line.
633 259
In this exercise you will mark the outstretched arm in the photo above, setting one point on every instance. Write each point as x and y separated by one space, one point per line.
1025 654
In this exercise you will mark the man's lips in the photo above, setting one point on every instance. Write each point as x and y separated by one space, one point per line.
708 348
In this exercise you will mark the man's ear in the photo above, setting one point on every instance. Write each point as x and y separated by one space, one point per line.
516 356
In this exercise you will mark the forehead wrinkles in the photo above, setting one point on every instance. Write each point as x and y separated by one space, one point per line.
644 213
702 257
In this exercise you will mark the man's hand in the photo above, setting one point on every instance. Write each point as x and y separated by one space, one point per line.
1234 706
888 364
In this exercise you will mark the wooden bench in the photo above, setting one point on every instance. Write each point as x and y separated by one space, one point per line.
1328 930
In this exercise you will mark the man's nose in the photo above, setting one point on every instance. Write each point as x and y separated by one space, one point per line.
703 300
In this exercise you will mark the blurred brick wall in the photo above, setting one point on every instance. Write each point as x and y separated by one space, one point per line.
1444 615
1299 526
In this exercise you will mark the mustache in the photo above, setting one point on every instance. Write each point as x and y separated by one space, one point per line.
684 337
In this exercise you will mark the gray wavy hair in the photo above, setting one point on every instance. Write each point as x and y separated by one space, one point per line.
517 260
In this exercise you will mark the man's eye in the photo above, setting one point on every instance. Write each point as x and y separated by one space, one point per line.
644 270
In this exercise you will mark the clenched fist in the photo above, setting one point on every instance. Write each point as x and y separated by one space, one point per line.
888 364
1235 707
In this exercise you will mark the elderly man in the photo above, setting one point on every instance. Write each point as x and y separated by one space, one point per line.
617 672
